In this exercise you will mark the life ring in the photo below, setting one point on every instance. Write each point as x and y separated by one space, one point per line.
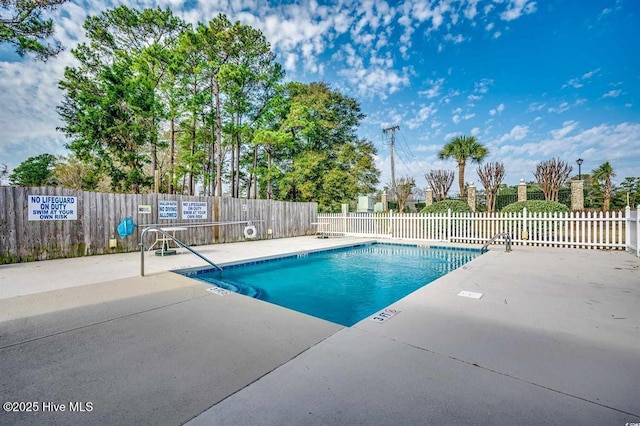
250 231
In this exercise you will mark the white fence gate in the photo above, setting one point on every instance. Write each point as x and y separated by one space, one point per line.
596 230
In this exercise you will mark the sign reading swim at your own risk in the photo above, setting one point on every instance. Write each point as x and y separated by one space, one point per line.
53 207
194 210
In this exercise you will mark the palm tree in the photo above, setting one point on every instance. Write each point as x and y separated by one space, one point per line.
462 148
603 174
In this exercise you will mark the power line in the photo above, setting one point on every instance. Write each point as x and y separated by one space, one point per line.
410 153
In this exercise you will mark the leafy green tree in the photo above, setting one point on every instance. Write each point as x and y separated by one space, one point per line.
34 171
463 148
147 39
326 161
70 172
248 80
99 117
110 109
23 26
148 90
192 96
631 188
214 40
603 174
266 171
593 193
505 189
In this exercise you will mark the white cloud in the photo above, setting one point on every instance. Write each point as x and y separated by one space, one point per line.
590 74
578 82
471 10
564 106
421 116
451 135
606 142
574 82
427 148
290 62
612 94
517 133
455 39
535 106
497 110
375 81
483 85
517 8
434 90
567 127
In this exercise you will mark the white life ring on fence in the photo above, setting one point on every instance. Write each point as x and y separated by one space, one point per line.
250 231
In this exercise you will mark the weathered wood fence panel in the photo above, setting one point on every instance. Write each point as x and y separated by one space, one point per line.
98 216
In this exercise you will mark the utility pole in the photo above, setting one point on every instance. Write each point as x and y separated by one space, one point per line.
392 139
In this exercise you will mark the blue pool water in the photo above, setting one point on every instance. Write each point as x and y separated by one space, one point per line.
341 285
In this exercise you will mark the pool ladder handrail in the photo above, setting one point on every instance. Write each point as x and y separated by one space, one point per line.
180 243
507 241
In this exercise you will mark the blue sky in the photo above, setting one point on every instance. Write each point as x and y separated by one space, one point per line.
531 80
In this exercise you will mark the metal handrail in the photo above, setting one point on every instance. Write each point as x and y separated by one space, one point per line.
507 241
180 243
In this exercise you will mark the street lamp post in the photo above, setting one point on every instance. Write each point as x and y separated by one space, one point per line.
579 161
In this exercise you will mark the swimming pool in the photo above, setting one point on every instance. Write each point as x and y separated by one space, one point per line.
342 285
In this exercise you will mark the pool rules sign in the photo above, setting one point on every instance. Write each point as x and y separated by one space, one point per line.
53 207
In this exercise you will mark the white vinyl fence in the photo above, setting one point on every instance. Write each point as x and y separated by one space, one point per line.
597 230
633 231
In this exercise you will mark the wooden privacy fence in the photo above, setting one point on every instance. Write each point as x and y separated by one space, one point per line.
50 222
575 229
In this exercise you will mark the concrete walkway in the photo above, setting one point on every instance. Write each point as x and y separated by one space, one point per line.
555 339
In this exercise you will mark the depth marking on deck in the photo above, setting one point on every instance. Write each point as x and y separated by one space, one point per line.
218 290
384 315
470 294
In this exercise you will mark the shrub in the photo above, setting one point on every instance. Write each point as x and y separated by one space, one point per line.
456 206
536 206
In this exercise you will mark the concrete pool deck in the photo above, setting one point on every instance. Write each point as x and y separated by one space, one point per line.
555 339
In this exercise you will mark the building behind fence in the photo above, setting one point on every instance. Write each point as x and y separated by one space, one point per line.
51 222
594 230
